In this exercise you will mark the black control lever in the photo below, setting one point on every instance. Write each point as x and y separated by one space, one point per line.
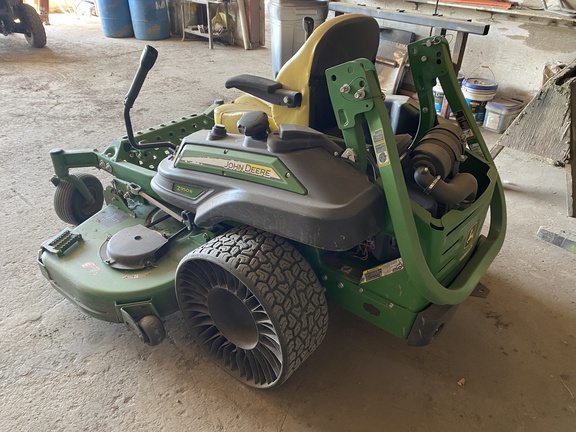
147 60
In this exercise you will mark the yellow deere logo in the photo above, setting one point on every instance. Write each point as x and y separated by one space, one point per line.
470 235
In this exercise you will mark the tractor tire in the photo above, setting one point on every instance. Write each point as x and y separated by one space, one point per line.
36 33
253 303
71 206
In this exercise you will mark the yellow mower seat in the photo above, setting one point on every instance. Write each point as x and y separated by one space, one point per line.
341 39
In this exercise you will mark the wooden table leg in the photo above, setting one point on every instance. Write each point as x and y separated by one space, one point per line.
458 51
571 188
228 24
183 21
571 165
210 41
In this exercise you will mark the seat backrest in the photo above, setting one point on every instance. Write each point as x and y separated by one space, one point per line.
338 40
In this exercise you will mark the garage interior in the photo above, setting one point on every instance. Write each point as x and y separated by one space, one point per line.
504 363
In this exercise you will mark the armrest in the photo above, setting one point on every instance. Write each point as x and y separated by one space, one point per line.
265 89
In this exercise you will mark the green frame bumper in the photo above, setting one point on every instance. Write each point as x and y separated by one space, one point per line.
442 260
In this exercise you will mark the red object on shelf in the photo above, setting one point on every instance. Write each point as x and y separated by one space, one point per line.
43 7
493 3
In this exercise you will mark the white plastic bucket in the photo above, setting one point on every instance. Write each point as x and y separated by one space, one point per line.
438 93
286 29
500 113
478 92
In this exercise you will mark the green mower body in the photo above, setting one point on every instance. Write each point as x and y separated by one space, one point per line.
248 234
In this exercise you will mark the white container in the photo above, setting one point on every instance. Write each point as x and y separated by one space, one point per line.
500 113
286 28
478 92
438 93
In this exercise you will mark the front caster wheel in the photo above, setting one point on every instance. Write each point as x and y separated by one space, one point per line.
71 206
254 305
35 31
153 331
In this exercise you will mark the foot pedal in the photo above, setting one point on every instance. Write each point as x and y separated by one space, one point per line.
62 242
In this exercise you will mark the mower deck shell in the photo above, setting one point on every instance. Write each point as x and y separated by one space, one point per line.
81 275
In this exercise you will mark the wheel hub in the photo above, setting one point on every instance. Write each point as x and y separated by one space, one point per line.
233 318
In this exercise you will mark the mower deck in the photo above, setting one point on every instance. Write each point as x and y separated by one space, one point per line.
76 264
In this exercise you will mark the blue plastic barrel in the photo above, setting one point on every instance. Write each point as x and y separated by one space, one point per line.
150 19
115 18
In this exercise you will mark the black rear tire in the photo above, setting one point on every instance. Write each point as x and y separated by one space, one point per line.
36 33
254 305
71 206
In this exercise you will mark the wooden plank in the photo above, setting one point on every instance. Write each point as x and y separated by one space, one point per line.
544 126
571 165
571 188
253 11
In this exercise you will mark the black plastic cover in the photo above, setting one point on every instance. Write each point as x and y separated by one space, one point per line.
429 323
295 137
341 209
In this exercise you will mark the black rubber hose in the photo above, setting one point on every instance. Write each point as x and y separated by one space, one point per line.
462 188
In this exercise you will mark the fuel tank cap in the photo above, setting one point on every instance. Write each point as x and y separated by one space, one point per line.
254 124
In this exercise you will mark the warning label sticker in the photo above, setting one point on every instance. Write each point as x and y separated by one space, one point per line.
378 136
461 119
380 147
382 270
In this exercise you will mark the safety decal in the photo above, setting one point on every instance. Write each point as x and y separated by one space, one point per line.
464 125
235 166
382 270
378 136
380 147
91 267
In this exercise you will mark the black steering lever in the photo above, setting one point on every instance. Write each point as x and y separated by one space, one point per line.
147 60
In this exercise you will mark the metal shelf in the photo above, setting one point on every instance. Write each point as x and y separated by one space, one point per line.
210 35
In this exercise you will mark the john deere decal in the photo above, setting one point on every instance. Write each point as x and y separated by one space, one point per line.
237 166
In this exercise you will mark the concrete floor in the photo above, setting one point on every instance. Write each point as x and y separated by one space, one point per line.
63 371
